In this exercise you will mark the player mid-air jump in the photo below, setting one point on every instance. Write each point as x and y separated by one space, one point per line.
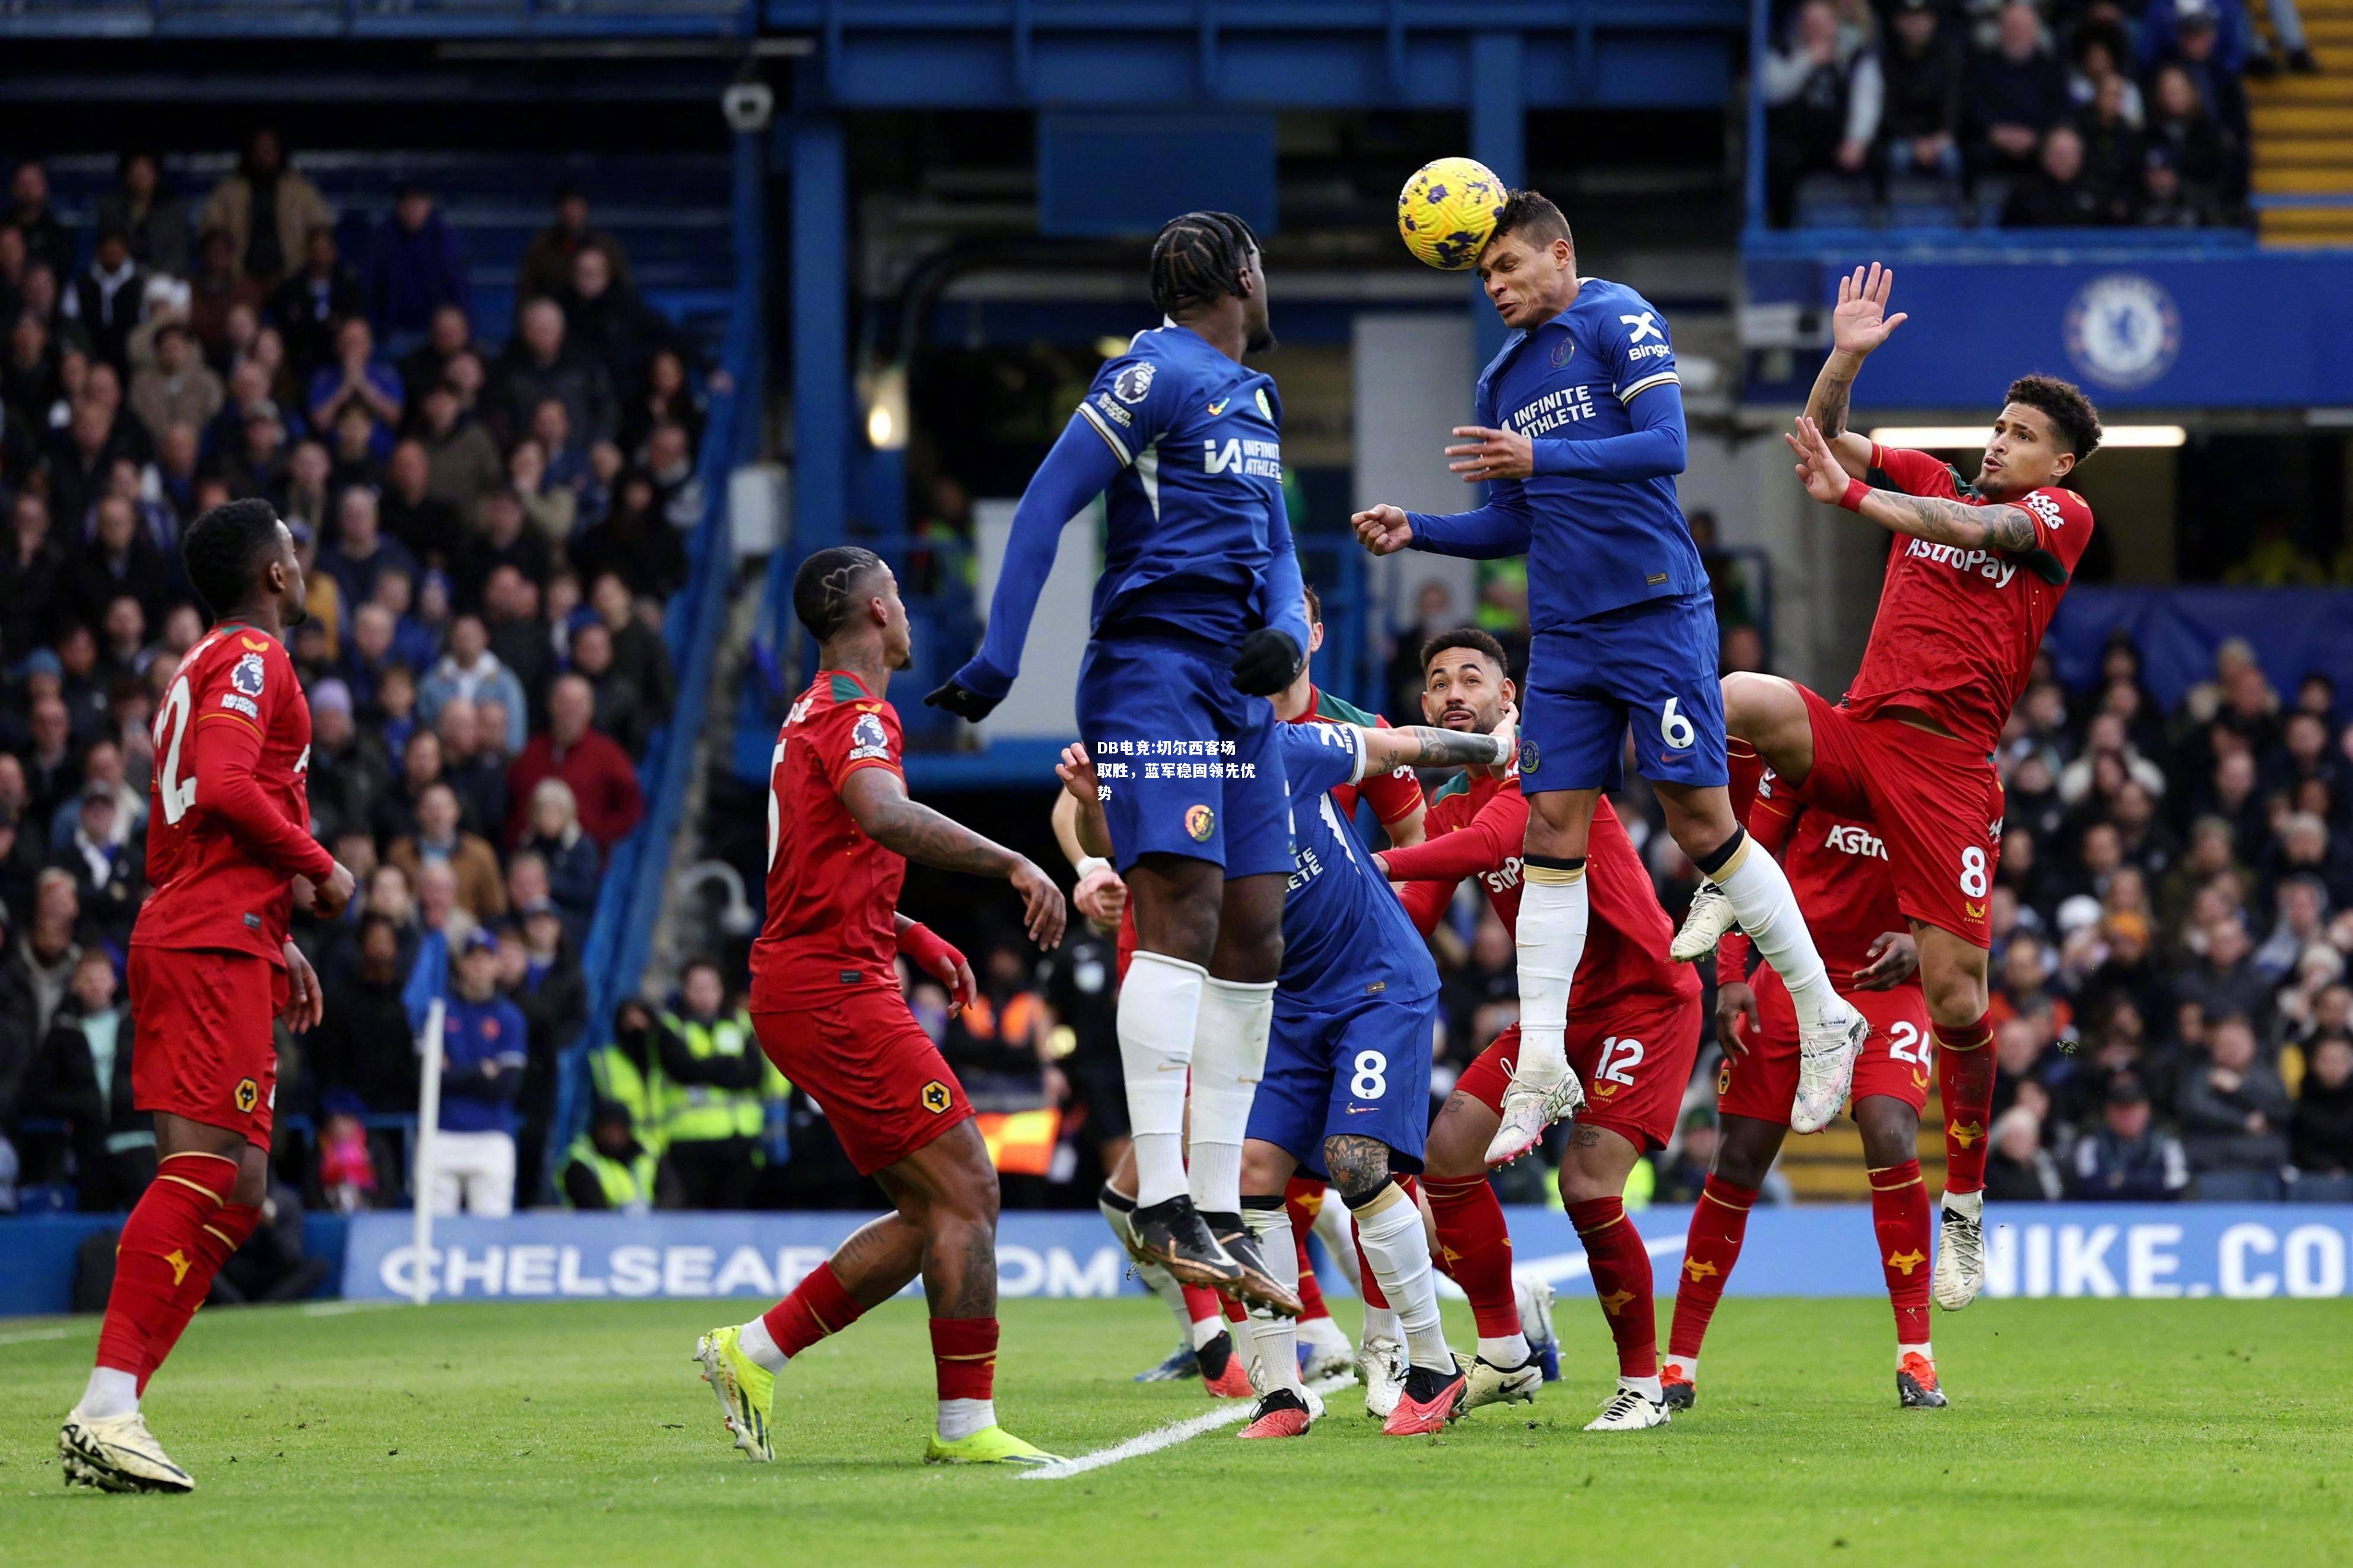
1197 621
1967 597
1580 435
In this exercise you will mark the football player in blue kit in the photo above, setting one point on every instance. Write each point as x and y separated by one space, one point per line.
1346 1085
1580 435
1198 619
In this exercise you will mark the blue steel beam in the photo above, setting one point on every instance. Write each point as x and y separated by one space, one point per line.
1290 53
1499 139
820 298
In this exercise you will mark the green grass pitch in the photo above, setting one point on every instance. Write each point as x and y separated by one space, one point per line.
2085 1431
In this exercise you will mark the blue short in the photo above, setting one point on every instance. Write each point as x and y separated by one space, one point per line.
1363 1070
1191 763
1649 667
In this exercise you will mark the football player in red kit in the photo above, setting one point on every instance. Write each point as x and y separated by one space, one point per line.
1633 1032
229 844
1840 872
827 1006
1971 587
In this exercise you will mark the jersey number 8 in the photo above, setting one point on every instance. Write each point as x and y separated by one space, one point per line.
1372 1079
1973 872
177 793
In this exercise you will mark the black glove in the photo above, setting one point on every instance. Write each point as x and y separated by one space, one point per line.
962 700
1269 661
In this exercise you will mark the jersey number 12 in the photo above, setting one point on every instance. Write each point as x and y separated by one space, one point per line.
178 793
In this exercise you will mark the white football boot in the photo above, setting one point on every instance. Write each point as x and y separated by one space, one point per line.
1323 1350
1630 1410
1534 1299
117 1453
1493 1384
1960 1252
1528 1109
1826 1052
1704 926
1380 1367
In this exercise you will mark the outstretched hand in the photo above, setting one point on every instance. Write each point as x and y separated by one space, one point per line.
1818 465
1860 322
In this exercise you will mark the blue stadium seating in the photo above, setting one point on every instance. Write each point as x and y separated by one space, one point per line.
670 210
374 18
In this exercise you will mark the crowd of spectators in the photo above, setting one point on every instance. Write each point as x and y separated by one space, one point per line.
2066 114
487 533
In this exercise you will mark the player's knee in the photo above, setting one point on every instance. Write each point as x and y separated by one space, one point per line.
1265 1166
1744 1158
1359 1166
1955 999
1891 1130
1747 696
1249 948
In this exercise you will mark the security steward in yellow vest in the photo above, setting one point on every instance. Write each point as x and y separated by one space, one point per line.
607 1167
712 1117
628 1071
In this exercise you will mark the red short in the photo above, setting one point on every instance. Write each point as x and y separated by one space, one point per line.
207 1046
1898 1061
859 1054
1635 1065
1937 802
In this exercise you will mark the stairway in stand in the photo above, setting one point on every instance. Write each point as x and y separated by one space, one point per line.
2303 138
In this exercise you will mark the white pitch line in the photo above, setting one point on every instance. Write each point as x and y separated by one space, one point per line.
1167 1436
341 1308
30 1335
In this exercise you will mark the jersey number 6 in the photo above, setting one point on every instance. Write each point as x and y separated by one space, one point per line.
1674 728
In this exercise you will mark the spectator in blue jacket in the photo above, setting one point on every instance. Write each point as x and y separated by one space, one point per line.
2124 1159
414 265
484 1050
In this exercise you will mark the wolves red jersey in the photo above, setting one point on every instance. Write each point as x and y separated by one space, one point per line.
833 893
229 806
1957 629
1477 824
1838 869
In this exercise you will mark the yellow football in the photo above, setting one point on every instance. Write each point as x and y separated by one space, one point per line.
1447 211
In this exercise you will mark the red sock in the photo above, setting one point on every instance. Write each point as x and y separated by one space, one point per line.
1368 1284
1746 768
1622 1278
215 1245
1965 1082
1301 1199
1718 1225
818 1305
162 1252
964 1352
1476 1247
1899 1212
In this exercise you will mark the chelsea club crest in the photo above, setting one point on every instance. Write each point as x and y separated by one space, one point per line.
2123 331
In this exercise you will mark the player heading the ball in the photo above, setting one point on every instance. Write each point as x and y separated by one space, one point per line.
1580 435
1198 620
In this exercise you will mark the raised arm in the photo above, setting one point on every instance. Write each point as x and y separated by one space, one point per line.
877 799
1075 471
1937 518
1858 325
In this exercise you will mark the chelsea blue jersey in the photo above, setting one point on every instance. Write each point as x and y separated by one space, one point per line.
1597 542
1195 514
1345 935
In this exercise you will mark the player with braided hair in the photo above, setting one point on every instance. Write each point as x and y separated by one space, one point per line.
1198 619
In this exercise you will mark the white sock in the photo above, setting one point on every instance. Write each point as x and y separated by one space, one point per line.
1767 910
1399 1250
1553 911
109 1394
1920 1349
1157 1007
1204 1329
962 1418
1339 1233
1229 1057
1275 1335
1690 1365
1324 1331
1381 1323
1648 1387
1509 1350
761 1345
